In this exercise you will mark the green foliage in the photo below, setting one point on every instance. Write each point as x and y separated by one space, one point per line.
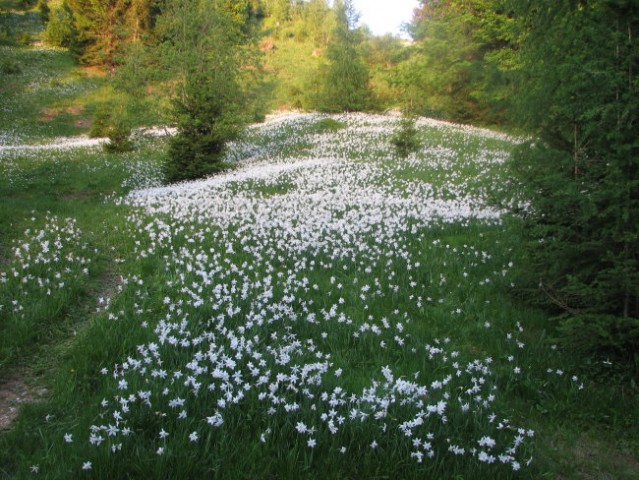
45 11
10 67
119 133
194 155
101 30
326 125
213 79
459 67
61 30
345 80
406 137
101 121
609 336
579 94
9 38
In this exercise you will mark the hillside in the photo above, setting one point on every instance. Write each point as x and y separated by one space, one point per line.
325 308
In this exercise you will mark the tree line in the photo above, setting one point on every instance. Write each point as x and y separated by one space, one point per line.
563 72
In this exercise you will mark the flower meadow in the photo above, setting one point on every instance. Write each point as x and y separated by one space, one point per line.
324 310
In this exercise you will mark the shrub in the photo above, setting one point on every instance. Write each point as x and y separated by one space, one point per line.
61 30
119 133
10 67
406 137
45 11
101 121
113 123
198 148
602 336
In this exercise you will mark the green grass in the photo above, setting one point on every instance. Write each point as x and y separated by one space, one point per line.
37 195
138 261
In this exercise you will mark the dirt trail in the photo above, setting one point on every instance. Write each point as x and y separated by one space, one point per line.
14 392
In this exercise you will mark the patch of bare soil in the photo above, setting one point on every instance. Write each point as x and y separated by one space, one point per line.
83 123
48 114
74 110
92 71
14 392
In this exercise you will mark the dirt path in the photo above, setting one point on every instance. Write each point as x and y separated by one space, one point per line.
15 391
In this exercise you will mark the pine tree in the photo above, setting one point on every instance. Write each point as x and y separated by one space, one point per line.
462 58
345 81
579 95
207 73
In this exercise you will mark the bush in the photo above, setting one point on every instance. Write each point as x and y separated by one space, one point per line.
406 137
61 30
45 11
605 337
6 37
101 121
24 38
112 122
198 148
119 133
10 67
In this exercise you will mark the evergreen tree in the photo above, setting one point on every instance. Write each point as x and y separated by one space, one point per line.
207 73
460 64
317 24
579 95
101 29
345 81
61 30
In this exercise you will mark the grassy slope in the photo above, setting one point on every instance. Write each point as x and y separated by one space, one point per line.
579 435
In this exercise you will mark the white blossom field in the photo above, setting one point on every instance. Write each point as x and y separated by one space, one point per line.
324 310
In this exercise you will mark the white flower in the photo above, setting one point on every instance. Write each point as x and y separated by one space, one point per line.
68 437
486 442
87 466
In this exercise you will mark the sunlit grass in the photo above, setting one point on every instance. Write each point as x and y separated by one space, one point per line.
325 310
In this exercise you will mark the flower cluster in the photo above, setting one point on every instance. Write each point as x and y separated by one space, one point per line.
301 288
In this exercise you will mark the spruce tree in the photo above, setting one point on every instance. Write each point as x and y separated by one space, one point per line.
206 56
579 94
345 81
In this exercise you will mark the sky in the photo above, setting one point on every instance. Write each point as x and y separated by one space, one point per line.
385 16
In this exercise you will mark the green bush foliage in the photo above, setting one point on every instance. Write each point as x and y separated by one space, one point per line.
406 137
10 67
45 11
215 83
345 79
61 31
119 133
582 178
198 149
101 121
